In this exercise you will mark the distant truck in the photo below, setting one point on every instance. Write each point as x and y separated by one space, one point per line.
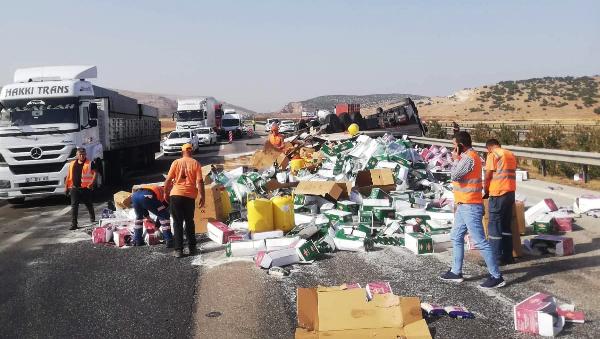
50 111
342 108
198 112
231 122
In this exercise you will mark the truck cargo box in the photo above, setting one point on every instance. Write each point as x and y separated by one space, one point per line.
118 103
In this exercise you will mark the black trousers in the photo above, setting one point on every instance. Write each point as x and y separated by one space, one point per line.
182 210
81 195
499 231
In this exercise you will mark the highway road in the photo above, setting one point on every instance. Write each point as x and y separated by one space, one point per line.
57 284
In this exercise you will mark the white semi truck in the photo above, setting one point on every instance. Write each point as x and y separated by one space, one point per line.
198 112
50 111
231 122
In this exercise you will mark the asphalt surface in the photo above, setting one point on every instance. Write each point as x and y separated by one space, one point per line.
56 283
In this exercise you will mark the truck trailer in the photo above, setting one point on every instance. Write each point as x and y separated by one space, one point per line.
48 112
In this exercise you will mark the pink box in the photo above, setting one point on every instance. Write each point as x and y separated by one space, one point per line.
563 224
102 235
122 237
563 245
151 238
535 315
378 287
219 232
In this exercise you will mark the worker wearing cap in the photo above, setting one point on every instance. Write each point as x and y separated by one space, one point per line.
79 184
182 186
151 198
500 186
275 138
468 205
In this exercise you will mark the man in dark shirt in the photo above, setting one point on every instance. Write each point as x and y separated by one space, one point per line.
79 184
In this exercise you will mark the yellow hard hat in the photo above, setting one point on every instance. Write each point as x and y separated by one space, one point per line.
353 129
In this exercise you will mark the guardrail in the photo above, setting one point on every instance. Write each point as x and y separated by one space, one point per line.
544 154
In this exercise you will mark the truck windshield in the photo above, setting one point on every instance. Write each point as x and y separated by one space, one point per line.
230 122
39 112
190 115
179 135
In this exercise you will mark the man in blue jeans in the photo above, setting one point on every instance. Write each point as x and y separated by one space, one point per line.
468 201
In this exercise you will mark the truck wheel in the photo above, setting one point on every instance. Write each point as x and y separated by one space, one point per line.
16 201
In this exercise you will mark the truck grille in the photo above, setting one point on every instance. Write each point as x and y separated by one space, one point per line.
43 157
39 183
44 148
36 168
38 190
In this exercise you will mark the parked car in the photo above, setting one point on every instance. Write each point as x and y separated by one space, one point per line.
287 126
176 139
206 136
269 123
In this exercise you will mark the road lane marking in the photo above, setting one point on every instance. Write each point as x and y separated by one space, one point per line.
61 212
13 240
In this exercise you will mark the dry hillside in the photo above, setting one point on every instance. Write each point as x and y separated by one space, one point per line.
550 98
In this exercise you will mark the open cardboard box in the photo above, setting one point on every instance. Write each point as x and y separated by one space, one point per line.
336 312
375 178
327 189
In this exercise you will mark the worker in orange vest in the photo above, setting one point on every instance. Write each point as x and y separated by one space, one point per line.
468 212
275 138
185 177
79 184
151 198
500 186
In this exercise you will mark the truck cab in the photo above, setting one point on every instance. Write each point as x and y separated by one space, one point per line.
231 122
195 113
45 115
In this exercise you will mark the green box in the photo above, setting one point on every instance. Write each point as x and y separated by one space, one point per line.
388 240
327 150
337 215
418 243
326 244
338 167
308 251
378 193
372 163
343 147
400 160
543 227
299 199
380 213
348 206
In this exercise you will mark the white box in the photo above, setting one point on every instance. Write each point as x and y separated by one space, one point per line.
267 235
283 257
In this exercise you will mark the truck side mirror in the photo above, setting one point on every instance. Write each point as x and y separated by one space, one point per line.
93 111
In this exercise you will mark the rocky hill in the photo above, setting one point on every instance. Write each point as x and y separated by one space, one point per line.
367 102
167 104
549 98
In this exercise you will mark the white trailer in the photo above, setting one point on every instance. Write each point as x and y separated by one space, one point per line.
195 113
50 111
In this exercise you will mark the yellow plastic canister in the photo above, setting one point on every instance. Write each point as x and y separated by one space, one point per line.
283 213
260 215
296 165
226 203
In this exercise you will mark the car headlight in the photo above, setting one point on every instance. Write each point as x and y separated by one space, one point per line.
4 184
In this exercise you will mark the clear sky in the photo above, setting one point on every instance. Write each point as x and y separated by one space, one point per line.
263 54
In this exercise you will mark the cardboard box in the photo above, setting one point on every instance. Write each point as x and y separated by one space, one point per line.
378 287
375 178
336 313
122 200
535 315
542 207
344 242
278 258
219 232
348 206
327 189
151 238
307 250
122 237
544 224
418 243
370 204
382 213
390 240
562 246
517 225
274 244
337 215
102 235
213 208
247 248
267 235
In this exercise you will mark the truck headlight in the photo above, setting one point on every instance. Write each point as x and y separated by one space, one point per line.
4 184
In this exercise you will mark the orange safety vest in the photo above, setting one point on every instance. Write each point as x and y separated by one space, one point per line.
467 190
504 179
159 191
276 140
87 174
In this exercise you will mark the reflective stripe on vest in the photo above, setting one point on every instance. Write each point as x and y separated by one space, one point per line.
467 190
504 179
87 175
157 190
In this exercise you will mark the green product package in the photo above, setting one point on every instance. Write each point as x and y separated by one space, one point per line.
348 206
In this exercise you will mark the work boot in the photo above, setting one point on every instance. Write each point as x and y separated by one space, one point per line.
178 253
193 250
138 240
73 227
169 243
168 238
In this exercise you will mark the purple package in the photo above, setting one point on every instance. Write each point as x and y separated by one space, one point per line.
459 312
433 309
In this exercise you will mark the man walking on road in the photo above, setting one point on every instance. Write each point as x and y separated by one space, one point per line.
151 198
183 184
79 184
468 202
500 186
